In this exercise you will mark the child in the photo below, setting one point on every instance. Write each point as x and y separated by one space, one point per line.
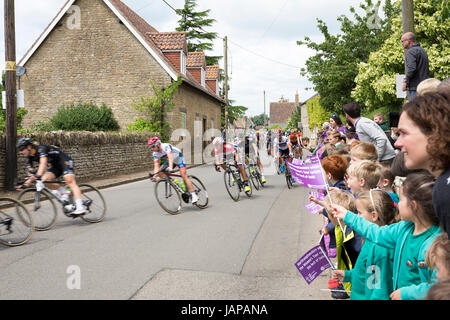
379 119
363 151
348 242
387 181
363 176
371 277
438 256
410 238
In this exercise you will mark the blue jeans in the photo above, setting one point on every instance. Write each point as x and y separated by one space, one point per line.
412 93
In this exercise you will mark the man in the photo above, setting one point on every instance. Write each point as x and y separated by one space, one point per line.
61 164
225 152
369 131
281 146
169 156
416 60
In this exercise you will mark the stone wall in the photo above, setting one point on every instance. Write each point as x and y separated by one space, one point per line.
95 155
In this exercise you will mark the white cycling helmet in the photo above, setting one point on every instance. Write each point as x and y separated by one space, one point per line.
218 141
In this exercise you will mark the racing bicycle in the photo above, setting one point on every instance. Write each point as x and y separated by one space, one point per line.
169 194
16 222
41 202
234 183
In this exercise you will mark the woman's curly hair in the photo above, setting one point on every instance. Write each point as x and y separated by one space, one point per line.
431 113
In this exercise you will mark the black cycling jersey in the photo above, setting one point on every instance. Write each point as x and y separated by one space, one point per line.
61 162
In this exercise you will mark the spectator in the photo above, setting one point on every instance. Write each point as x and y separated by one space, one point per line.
444 85
369 131
425 141
440 291
428 85
416 60
363 151
379 119
336 124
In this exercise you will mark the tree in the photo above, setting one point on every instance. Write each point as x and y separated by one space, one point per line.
292 122
193 23
375 82
333 68
259 119
234 112
155 108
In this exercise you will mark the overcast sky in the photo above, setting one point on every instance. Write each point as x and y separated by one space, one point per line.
262 35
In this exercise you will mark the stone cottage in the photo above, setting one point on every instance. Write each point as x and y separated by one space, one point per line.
102 51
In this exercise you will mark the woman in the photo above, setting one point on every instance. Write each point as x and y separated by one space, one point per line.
336 124
424 138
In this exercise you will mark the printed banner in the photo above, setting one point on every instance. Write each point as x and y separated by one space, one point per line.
313 207
308 175
320 195
312 264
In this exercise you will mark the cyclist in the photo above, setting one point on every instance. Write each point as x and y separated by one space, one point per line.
250 143
169 157
227 152
61 164
281 146
294 138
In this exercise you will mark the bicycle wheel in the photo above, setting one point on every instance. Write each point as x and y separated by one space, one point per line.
44 211
200 189
168 197
287 173
259 177
231 184
252 176
94 202
16 223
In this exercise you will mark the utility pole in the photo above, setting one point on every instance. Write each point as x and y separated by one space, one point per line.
225 45
11 92
408 15
407 25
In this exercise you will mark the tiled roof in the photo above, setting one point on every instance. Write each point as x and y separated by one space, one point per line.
140 24
212 72
169 40
196 59
281 111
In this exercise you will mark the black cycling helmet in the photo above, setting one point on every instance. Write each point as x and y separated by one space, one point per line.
23 142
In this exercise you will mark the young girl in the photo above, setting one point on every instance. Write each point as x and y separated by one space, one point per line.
410 238
371 277
438 255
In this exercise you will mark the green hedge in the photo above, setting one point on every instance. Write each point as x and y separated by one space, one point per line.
80 117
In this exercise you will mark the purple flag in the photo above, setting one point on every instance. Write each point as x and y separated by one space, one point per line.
312 264
320 195
313 207
308 175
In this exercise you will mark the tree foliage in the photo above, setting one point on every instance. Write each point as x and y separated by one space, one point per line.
316 113
292 122
193 23
375 82
234 112
333 68
259 119
155 107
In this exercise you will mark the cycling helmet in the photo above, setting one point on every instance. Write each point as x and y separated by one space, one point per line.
23 142
218 141
153 141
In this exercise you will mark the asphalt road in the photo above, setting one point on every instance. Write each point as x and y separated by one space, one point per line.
230 250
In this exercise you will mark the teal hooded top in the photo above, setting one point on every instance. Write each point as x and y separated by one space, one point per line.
371 276
394 237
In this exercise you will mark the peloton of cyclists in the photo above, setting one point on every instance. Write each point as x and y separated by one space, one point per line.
224 152
61 164
165 157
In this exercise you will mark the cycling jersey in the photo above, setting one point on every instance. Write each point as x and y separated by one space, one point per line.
228 151
60 162
283 144
167 148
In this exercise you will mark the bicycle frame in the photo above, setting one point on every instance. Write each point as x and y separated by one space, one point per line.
236 174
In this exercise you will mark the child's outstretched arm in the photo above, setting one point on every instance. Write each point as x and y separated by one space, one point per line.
385 236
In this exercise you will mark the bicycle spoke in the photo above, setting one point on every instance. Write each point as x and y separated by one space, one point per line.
16 223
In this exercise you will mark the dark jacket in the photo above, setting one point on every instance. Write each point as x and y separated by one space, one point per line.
441 200
417 68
